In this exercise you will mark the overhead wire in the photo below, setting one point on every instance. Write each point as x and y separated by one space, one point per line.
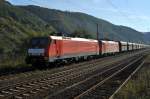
125 15
121 13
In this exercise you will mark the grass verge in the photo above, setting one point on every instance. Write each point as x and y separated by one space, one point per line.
14 65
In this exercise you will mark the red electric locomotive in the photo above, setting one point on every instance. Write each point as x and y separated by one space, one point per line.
58 48
109 47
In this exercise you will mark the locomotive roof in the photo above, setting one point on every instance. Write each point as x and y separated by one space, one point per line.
70 38
130 43
123 42
109 41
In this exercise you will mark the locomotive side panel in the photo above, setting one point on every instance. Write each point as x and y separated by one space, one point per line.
71 48
64 48
110 47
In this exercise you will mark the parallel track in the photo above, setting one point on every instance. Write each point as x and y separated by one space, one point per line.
105 88
13 76
126 80
49 83
6 77
90 83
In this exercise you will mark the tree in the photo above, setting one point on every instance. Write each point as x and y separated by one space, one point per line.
81 33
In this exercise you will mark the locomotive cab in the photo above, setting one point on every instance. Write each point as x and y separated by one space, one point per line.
38 50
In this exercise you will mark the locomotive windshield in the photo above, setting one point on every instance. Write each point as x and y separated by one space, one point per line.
39 42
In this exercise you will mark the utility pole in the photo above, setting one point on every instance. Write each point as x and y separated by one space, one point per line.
97 32
102 31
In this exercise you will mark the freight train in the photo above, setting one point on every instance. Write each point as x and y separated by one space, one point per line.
59 48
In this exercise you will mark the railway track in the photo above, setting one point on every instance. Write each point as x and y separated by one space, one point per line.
87 87
7 77
126 80
106 88
47 84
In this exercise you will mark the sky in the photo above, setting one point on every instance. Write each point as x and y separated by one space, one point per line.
131 13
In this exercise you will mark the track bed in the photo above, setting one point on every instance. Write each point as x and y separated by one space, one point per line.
55 83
